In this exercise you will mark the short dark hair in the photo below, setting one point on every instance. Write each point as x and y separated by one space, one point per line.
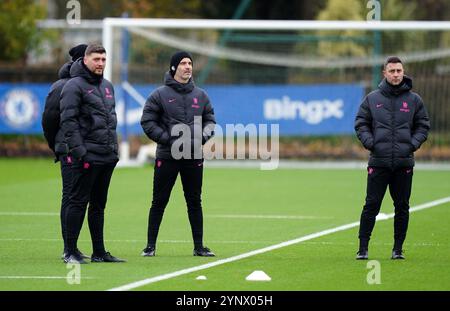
393 60
94 48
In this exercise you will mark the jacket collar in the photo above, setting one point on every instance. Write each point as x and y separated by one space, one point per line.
79 69
182 88
391 90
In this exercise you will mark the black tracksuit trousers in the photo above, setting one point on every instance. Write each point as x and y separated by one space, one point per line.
90 183
66 175
165 175
399 182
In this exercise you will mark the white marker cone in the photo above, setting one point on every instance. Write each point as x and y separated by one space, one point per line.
201 277
258 275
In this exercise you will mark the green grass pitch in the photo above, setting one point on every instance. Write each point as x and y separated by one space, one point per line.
238 208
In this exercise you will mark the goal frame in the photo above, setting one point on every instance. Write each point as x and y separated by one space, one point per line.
109 25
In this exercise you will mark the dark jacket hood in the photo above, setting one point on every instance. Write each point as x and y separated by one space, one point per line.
177 86
64 71
79 69
391 90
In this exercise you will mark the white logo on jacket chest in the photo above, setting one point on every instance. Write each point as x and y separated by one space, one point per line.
108 93
405 107
195 104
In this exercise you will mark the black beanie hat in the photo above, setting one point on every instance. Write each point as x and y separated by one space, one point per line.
176 59
77 51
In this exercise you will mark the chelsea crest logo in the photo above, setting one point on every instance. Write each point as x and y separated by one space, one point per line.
19 108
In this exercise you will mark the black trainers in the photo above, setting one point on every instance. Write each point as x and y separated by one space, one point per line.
203 251
362 254
149 251
107 257
74 258
78 252
397 254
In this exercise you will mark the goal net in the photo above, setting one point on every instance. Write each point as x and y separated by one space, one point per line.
238 60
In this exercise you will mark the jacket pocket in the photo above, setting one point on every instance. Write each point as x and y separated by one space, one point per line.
381 133
403 140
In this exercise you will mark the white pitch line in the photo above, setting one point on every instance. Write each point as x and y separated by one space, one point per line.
139 241
264 250
28 214
36 277
316 165
267 216
208 216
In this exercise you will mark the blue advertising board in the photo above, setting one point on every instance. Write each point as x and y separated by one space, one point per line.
323 109
21 107
299 110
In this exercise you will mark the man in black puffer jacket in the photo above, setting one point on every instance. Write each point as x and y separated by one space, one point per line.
180 118
392 123
88 121
55 137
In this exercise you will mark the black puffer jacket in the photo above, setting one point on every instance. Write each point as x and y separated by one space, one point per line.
174 104
88 116
392 123
51 114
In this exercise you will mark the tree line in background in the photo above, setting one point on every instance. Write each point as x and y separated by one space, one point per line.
19 34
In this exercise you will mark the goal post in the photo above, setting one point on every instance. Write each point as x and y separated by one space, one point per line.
283 52
110 23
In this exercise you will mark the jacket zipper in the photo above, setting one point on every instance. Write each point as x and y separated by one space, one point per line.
393 132
185 109
106 113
